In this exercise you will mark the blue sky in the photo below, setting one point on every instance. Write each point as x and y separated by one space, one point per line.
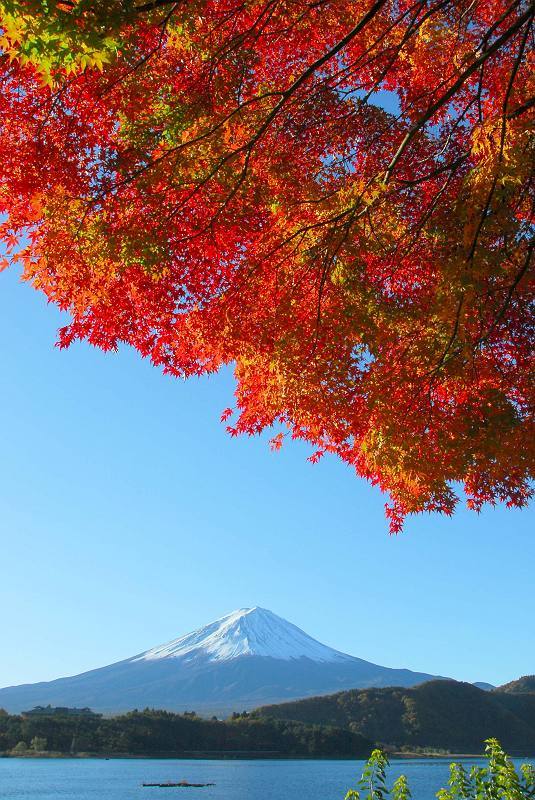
128 517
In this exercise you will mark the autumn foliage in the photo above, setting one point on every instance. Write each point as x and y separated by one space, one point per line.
335 196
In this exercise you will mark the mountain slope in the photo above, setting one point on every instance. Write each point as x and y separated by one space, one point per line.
441 714
522 685
246 632
245 659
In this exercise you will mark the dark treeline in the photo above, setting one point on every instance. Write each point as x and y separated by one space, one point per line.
162 733
446 715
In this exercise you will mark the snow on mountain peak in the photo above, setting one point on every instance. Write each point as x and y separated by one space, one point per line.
245 632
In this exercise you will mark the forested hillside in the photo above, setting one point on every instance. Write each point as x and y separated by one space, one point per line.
439 714
526 684
161 733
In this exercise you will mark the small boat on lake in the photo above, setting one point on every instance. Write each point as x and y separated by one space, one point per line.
180 784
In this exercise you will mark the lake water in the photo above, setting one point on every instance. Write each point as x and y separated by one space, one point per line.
120 779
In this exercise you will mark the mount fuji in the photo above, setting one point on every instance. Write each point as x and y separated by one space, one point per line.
248 658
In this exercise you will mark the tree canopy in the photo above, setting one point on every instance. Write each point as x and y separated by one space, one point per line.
335 196
162 733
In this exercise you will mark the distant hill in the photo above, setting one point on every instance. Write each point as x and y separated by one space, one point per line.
522 685
487 687
438 714
522 705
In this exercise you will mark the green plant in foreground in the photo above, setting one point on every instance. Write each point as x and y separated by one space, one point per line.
499 780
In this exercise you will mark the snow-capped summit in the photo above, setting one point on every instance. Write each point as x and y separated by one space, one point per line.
246 659
245 632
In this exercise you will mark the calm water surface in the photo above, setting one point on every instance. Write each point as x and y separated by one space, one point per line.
96 779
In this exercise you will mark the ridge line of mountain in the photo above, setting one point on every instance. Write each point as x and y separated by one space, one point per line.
243 660
450 715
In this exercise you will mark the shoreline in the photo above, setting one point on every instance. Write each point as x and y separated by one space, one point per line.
249 755
187 756
246 756
444 756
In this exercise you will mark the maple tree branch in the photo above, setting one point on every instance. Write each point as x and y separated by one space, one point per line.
510 85
437 105
444 357
240 38
413 28
522 109
154 4
327 264
248 146
422 221
307 73
449 167
520 274
496 24
508 91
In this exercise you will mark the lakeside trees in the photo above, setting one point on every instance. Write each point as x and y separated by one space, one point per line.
152 732
219 182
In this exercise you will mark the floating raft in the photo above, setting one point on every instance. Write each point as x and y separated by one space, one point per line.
180 784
